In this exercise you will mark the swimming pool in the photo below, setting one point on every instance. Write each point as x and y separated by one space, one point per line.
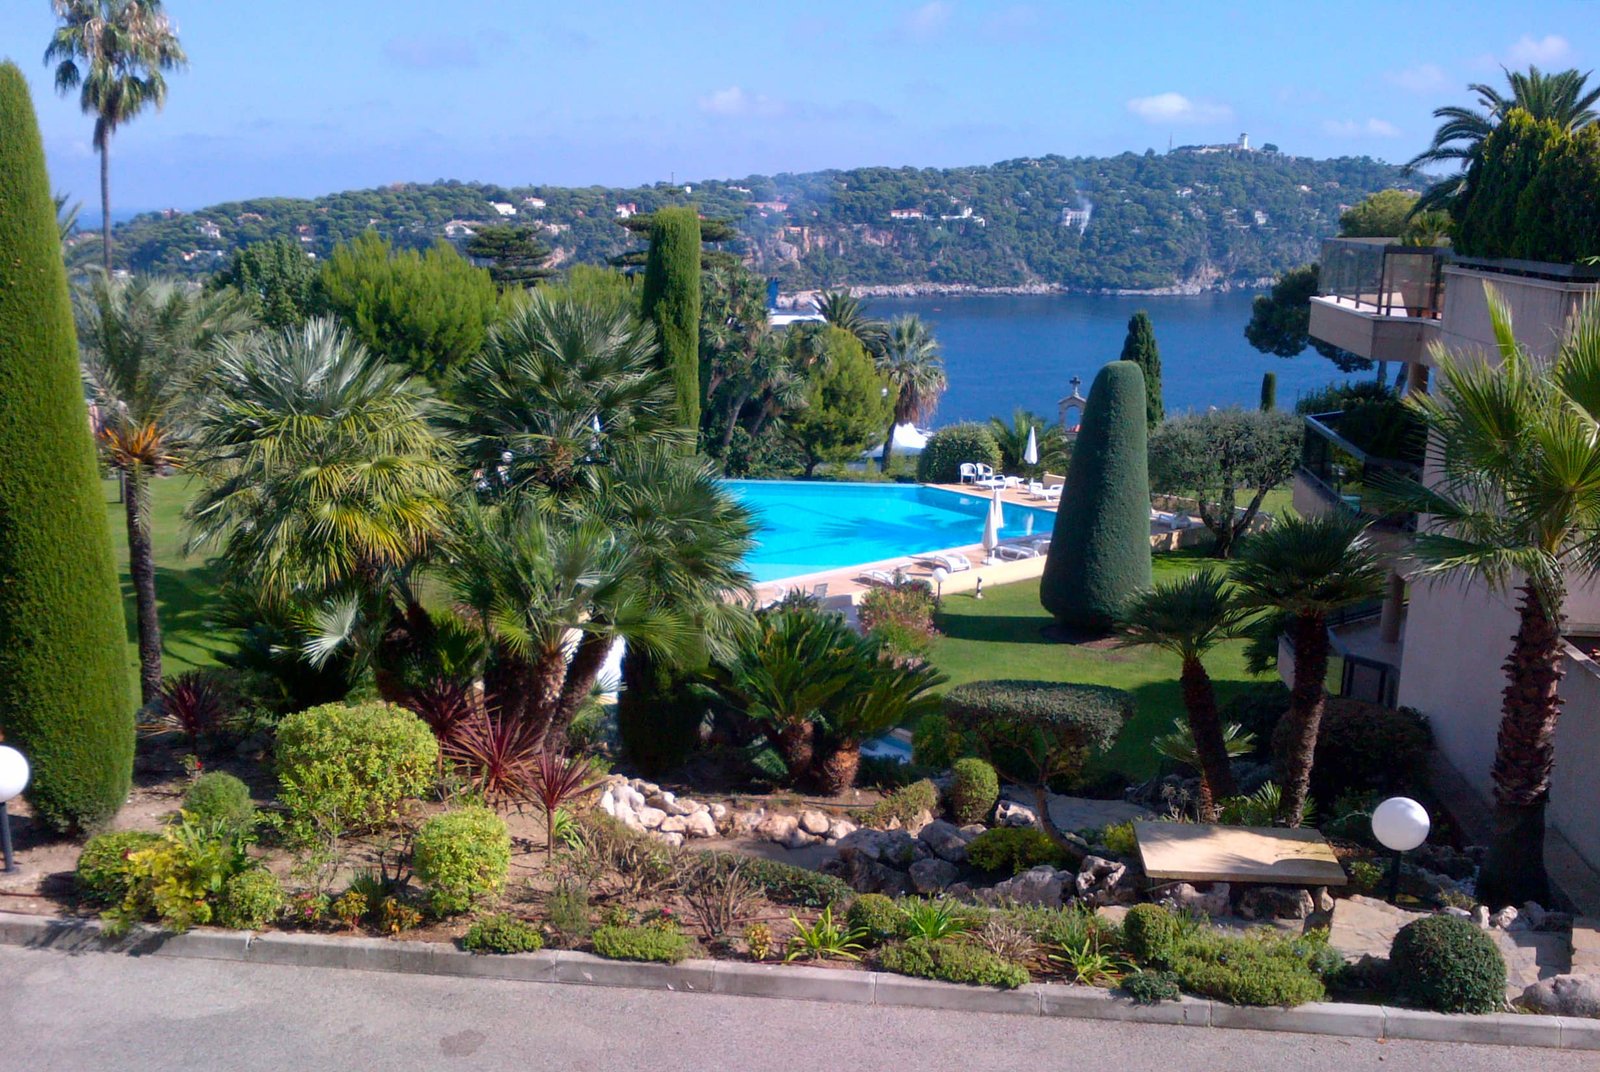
808 527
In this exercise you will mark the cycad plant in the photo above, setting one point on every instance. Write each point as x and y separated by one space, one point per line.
1188 618
1305 569
882 695
1513 501
146 346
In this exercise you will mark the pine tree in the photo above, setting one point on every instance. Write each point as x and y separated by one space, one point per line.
1140 348
1100 549
515 256
671 298
64 684
1269 392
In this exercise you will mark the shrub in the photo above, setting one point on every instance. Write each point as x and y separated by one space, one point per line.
941 460
104 867
64 685
974 788
658 714
1257 709
1119 839
902 806
787 884
1014 849
220 797
501 933
876 917
1364 746
1245 970
343 769
1036 731
566 909
641 943
1100 550
933 742
1152 934
953 962
251 900
462 857
1447 964
823 939
179 880
758 940
901 616
1152 987
1365 875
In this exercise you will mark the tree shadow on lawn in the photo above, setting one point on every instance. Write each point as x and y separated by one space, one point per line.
186 602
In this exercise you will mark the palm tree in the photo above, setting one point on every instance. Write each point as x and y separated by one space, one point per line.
1306 568
324 469
1560 97
882 695
1189 618
115 52
1515 504
843 310
146 345
1012 436
67 211
910 362
559 383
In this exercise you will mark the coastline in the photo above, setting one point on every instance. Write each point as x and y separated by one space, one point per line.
806 299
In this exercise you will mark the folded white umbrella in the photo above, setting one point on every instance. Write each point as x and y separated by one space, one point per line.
992 525
1031 454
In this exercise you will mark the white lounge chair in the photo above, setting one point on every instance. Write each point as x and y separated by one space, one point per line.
1040 544
1014 551
953 562
1042 493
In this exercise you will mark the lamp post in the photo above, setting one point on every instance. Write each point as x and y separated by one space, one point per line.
940 575
1400 824
13 780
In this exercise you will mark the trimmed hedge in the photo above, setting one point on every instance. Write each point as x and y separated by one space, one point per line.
1100 549
1246 970
953 962
974 788
670 298
1152 934
1447 964
1530 193
462 857
940 460
641 943
1033 730
219 796
343 769
1013 850
65 696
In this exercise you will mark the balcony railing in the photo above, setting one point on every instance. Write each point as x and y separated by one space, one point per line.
1378 275
1344 472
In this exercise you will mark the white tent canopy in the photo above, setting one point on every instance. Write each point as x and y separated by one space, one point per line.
908 439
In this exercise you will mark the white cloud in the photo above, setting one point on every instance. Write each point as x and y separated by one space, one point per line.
1551 48
1176 108
926 21
1351 128
734 102
1423 78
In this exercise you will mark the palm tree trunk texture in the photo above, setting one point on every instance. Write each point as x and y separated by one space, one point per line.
1205 725
584 670
1306 701
142 569
1513 870
888 446
105 201
734 409
797 743
837 771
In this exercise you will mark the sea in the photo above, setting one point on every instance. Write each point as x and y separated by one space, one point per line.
1005 351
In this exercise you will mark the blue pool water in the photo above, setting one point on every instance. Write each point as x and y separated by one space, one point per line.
806 527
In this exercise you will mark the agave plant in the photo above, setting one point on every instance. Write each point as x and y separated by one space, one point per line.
557 780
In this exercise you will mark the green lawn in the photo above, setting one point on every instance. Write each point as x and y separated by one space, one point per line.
186 586
999 637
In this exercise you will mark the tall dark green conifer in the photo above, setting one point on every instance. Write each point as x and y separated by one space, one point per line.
65 701
671 298
1269 392
1100 549
1140 348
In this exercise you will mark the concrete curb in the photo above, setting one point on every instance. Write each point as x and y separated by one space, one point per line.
1374 1022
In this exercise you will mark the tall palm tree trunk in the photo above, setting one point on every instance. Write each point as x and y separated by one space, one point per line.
888 444
105 201
1513 870
142 569
734 409
1306 702
1205 725
584 670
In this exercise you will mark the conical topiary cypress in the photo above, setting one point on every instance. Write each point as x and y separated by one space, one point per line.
1100 550
65 701
671 298
1139 346
1269 392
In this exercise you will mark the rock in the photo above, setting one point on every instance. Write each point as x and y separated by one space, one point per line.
669 803
894 847
1480 916
946 841
866 875
1184 898
777 827
972 830
918 822
1323 899
651 818
799 839
1540 918
959 890
840 828
700 825
1010 813
626 794
718 811
1564 995
1040 886
814 822
1276 902
672 824
1098 880
674 840
644 788
745 823
1504 918
608 803
933 874
1459 913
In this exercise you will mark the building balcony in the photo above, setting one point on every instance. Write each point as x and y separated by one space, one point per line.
1377 298
1336 473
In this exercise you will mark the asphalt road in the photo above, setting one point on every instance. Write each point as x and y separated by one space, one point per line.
80 1013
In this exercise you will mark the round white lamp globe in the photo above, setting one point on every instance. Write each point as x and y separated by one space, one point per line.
940 575
1400 824
13 773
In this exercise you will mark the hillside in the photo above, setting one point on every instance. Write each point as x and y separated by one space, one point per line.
1183 219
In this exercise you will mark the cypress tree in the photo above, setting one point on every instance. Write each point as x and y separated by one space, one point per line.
671 298
1100 549
1269 392
1140 348
65 701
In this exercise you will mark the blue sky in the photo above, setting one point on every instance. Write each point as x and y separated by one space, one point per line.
301 97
